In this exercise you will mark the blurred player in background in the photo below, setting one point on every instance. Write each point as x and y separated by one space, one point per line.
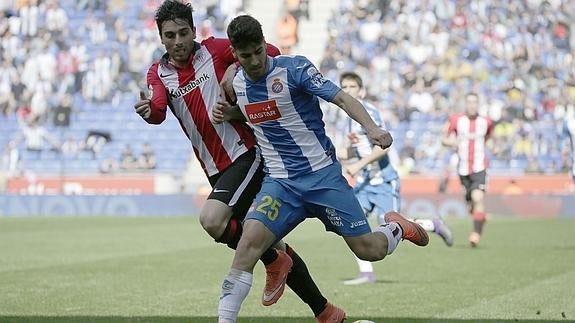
468 133
186 80
568 131
279 98
377 184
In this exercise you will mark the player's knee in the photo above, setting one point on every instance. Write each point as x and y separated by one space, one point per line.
214 217
213 223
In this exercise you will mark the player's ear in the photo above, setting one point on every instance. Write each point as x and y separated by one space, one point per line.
194 31
362 92
233 52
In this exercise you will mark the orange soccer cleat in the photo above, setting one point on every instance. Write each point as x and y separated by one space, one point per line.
474 238
276 275
411 230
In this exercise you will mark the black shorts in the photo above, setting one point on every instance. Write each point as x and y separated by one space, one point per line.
475 181
238 185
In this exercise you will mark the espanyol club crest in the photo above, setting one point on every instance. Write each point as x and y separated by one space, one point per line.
277 86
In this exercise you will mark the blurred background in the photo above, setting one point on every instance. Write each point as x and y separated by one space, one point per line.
71 71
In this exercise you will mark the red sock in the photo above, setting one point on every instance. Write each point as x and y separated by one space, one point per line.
232 233
478 216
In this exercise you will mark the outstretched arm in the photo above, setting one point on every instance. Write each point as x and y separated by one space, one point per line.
357 112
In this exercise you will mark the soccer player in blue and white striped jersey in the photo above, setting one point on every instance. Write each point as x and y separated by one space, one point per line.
377 184
279 97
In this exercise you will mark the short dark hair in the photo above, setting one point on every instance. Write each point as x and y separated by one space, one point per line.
172 10
353 76
475 94
245 30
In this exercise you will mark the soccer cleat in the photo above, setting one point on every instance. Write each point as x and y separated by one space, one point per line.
363 278
276 275
474 238
443 231
411 230
331 314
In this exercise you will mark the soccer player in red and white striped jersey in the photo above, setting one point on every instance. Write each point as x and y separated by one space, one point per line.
468 133
187 80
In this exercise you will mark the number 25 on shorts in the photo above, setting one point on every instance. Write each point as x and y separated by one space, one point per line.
269 206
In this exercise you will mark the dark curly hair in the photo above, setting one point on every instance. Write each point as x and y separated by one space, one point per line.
172 10
245 30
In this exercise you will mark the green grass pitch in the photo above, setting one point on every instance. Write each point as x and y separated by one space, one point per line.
107 269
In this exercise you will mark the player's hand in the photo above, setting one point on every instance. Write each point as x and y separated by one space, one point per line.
350 179
380 137
353 138
143 107
220 111
353 169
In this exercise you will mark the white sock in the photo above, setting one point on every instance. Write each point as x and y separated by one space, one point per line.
364 266
427 224
393 233
235 288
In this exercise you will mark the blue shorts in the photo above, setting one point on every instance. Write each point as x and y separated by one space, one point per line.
284 203
379 199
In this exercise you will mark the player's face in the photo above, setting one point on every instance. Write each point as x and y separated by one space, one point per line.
472 105
178 38
253 59
350 87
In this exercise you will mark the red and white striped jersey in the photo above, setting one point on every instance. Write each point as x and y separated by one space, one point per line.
191 93
471 135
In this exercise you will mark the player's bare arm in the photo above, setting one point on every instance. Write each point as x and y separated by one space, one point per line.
376 154
226 84
448 139
357 112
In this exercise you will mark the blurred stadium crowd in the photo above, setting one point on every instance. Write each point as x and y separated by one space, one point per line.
419 58
71 71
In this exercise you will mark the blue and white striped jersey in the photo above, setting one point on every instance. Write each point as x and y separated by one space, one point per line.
381 170
283 109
